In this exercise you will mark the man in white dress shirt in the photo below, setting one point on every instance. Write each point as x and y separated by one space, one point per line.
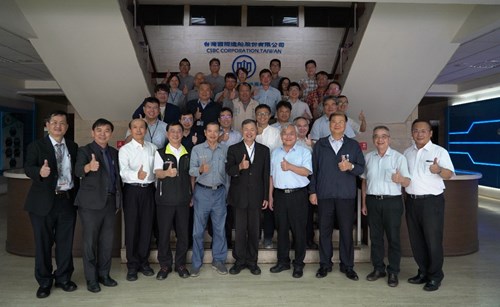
136 160
386 171
429 164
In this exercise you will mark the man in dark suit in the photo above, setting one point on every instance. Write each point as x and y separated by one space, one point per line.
98 200
50 165
204 110
337 161
248 164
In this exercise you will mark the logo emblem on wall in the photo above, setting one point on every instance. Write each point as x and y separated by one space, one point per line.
246 62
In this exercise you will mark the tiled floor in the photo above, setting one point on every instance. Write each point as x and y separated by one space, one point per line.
471 280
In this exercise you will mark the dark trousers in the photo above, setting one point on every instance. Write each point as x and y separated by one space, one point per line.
98 227
246 241
384 215
56 227
343 210
425 220
167 217
138 204
310 222
268 224
290 211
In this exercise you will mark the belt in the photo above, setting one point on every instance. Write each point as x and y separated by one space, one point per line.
141 185
380 197
215 187
413 196
62 194
288 191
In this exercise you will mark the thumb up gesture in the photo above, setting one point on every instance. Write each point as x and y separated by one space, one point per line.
244 164
396 177
435 168
141 174
45 169
93 164
171 171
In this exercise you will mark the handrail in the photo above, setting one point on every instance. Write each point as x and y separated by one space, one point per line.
343 41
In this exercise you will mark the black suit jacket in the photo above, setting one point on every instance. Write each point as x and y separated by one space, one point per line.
41 195
93 192
249 187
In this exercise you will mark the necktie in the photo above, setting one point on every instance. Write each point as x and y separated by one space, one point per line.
59 159
109 167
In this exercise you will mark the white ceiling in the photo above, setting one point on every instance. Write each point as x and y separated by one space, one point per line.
476 61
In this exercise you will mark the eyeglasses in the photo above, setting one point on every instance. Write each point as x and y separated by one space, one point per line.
262 114
226 117
53 123
383 137
187 120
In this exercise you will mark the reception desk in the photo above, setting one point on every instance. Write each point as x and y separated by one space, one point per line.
20 239
460 217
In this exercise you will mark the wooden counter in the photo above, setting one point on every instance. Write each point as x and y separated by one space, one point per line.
20 239
460 217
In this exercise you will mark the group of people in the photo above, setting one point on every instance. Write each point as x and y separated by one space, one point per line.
224 161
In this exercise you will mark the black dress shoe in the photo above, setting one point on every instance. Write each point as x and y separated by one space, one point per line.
236 269
349 273
393 281
68 286
43 292
297 272
93 286
147 271
432 285
132 275
280 267
322 272
162 273
108 281
254 269
182 271
417 279
375 275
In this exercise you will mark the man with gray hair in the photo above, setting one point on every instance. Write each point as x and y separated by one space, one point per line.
385 173
290 167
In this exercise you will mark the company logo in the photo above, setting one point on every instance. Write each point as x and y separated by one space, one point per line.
246 62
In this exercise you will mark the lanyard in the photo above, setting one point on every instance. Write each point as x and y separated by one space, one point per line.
149 131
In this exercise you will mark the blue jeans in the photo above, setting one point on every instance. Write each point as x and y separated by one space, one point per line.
209 203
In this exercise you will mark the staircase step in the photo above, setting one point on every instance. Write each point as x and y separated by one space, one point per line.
361 254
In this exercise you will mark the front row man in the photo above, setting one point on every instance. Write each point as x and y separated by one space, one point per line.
385 173
337 161
290 168
207 164
429 164
136 169
248 165
50 164
98 200
173 198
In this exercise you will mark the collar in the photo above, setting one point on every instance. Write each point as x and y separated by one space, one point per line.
170 150
334 140
205 144
137 144
54 142
387 153
426 147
